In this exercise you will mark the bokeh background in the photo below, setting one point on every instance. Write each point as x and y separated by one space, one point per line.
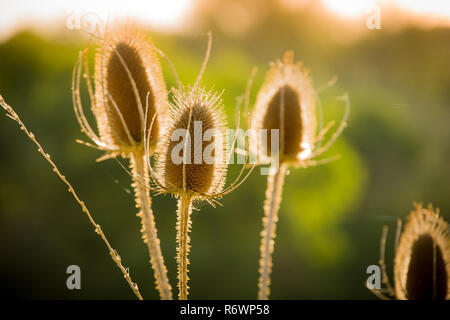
395 150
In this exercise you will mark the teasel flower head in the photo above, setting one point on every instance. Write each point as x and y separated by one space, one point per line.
192 159
192 162
288 102
422 260
130 98
184 168
129 93
191 155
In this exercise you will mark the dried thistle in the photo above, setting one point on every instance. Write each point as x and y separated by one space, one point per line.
287 102
196 171
196 112
422 258
128 81
189 180
114 254
202 172
130 94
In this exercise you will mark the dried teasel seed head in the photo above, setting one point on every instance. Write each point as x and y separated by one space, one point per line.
422 261
127 71
201 114
286 101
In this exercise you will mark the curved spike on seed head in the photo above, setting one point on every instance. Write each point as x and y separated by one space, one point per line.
128 80
422 261
286 101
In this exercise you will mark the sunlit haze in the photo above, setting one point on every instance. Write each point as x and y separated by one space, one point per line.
171 15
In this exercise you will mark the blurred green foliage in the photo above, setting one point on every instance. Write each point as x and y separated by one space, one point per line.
394 151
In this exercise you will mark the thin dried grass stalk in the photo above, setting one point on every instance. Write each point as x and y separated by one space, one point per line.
114 254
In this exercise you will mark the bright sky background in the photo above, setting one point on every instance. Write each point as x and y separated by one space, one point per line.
168 14
359 7
165 14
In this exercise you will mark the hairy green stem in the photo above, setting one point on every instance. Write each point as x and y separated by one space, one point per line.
149 231
183 228
271 205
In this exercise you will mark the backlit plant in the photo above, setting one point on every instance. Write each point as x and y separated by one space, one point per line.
128 87
422 258
286 103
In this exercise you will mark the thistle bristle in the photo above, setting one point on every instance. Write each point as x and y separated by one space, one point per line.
286 101
201 176
127 77
422 262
